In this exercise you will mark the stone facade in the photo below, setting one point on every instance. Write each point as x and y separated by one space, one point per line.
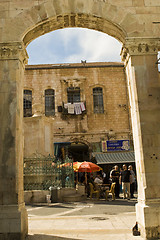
40 131
136 23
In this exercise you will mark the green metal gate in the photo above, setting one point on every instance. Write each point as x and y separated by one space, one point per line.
41 173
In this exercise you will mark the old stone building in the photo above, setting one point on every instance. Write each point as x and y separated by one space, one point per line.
71 109
136 24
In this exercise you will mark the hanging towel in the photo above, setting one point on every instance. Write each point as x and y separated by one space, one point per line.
66 105
71 108
77 107
82 106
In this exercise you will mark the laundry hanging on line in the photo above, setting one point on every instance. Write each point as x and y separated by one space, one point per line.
75 108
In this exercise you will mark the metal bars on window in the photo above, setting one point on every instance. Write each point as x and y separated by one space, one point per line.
49 102
27 103
98 100
73 94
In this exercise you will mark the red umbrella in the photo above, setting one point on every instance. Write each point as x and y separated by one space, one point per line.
89 167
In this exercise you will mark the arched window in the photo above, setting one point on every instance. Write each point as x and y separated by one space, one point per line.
27 103
73 94
49 102
98 100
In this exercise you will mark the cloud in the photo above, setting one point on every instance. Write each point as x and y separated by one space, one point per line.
73 45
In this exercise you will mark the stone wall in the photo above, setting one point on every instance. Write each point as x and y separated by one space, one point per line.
133 18
90 127
133 22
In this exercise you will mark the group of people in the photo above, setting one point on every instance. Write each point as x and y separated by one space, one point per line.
124 178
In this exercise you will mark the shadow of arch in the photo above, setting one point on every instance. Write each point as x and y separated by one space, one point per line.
47 237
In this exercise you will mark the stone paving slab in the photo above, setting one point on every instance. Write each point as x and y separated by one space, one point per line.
82 221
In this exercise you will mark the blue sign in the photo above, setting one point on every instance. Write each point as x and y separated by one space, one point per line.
118 145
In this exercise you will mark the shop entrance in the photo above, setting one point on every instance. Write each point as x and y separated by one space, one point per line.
79 152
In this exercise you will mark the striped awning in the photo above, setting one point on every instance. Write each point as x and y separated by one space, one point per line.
111 158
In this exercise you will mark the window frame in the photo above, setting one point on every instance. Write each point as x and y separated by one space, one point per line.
98 102
27 103
49 95
73 94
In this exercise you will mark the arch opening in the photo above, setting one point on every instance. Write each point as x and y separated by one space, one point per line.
80 21
73 45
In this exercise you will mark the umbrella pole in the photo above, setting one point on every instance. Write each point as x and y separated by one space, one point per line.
77 178
86 178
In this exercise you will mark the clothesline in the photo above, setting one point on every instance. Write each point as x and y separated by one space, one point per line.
75 108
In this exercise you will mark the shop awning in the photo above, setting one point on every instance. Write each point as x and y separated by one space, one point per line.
114 158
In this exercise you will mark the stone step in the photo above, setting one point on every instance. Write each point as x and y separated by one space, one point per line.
74 198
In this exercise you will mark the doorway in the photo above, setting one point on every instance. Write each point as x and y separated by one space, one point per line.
79 152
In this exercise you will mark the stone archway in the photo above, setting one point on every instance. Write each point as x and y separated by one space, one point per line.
39 19
141 45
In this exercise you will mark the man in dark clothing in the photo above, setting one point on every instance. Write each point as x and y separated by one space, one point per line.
115 179
125 179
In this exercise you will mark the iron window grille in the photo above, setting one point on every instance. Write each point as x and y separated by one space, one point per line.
98 100
49 102
73 94
27 103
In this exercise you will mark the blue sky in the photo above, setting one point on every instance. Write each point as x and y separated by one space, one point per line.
71 45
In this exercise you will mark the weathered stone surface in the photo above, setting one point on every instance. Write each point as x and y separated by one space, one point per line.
145 122
109 76
151 3
11 142
23 21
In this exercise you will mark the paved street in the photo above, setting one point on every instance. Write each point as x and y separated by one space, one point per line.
86 220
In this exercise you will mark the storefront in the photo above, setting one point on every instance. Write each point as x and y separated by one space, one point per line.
78 151
108 160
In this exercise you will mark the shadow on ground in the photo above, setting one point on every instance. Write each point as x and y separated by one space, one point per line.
47 237
115 202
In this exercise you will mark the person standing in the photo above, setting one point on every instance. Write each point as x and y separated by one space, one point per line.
115 179
132 183
125 179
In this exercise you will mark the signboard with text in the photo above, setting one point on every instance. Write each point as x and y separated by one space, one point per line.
115 145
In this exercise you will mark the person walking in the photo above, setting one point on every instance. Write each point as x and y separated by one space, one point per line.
132 183
125 179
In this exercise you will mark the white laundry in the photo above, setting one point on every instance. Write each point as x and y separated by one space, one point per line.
82 106
77 107
71 108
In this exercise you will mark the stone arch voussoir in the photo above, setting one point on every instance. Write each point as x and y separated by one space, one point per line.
52 15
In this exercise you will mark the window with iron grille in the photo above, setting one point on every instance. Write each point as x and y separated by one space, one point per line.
49 102
73 94
27 103
98 100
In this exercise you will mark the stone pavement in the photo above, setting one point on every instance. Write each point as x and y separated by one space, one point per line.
88 220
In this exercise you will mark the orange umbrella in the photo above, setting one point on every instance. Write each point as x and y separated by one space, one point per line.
69 164
76 166
83 166
89 167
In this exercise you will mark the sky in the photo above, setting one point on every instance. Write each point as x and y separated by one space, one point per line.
71 45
